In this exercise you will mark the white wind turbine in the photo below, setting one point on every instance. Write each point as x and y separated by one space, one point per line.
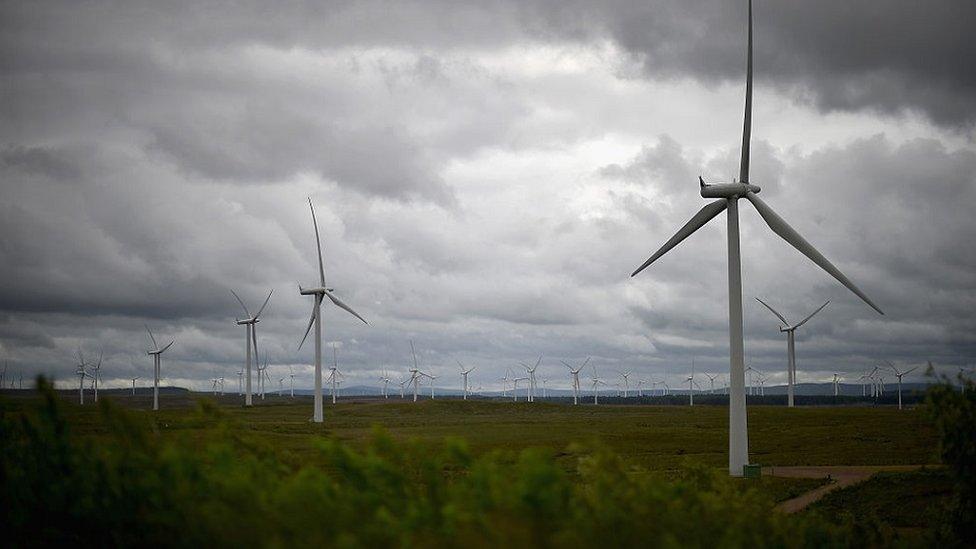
263 374
836 379
281 386
134 385
401 383
385 379
415 373
626 376
545 388
320 292
96 373
431 378
240 382
250 341
156 353
82 373
640 390
900 375
711 381
532 383
464 378
790 347
515 383
727 198
750 386
291 374
576 382
334 374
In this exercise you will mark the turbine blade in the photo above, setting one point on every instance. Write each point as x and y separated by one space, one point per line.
161 351
254 341
567 365
787 233
318 244
311 320
779 316
261 310
414 352
241 301
747 118
585 362
155 346
910 371
703 216
802 322
342 305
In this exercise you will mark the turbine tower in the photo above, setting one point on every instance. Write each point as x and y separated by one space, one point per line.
250 339
790 347
320 292
836 379
134 385
626 376
727 197
576 382
156 353
81 377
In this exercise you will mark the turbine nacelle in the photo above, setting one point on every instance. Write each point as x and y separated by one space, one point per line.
726 190
314 291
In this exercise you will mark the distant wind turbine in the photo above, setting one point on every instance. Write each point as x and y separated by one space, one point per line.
134 385
626 376
836 379
532 384
576 382
900 375
464 378
250 340
156 353
727 199
790 347
82 373
320 292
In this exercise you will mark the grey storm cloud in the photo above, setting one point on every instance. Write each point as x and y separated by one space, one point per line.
471 184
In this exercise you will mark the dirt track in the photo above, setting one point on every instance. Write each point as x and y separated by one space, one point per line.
841 476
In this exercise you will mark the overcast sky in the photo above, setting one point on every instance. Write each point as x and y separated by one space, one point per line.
486 178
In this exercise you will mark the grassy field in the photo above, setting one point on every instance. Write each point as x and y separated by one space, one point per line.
652 438
907 503
526 461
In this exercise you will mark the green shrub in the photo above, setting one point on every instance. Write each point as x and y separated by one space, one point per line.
953 410
132 488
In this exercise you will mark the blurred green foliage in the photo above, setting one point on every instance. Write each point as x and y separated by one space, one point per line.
135 487
953 411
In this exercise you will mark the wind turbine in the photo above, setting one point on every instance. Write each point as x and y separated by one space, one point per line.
134 386
626 376
386 382
640 384
790 347
900 375
836 379
240 382
575 373
691 385
711 381
334 373
262 373
545 388
281 386
320 292
415 372
250 340
156 353
751 385
532 383
291 374
96 369
431 378
727 199
464 378
81 377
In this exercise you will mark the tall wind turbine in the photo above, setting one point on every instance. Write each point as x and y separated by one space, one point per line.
836 379
291 374
711 381
415 373
727 197
96 373
576 382
134 385
250 340
626 376
790 347
899 375
464 378
320 292
532 384
82 373
156 353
